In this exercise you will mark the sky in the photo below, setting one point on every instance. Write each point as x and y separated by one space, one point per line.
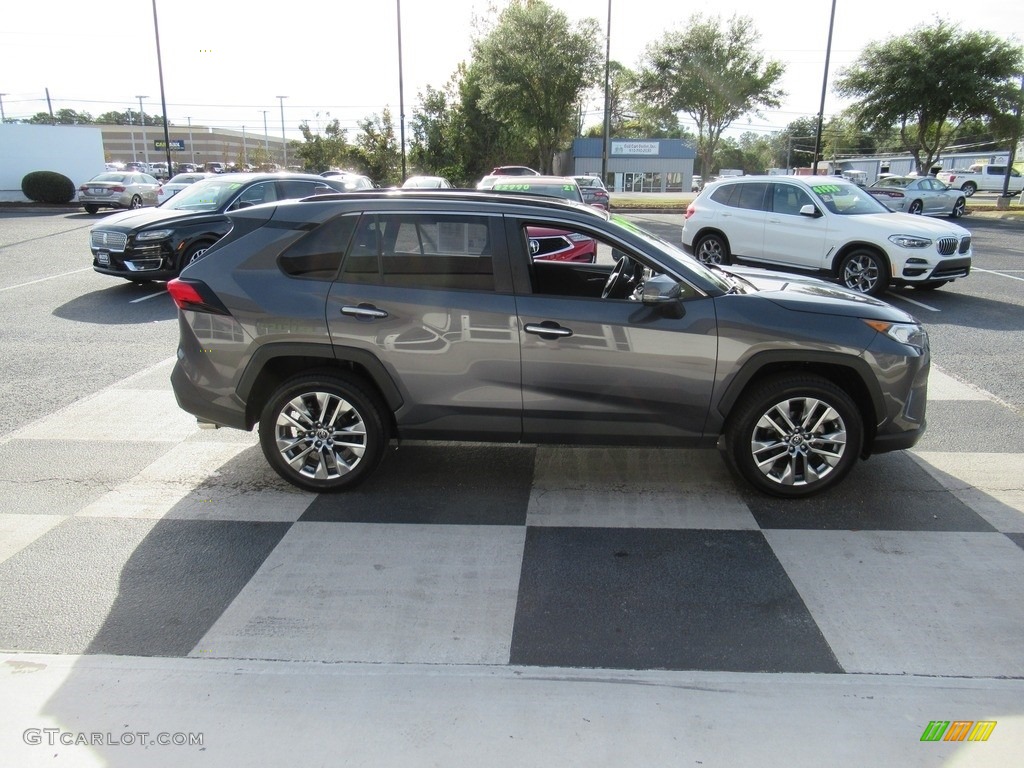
226 63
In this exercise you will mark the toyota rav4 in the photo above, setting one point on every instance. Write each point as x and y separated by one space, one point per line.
342 322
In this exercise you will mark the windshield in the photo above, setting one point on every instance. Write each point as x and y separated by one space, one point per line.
208 195
565 191
676 258
847 199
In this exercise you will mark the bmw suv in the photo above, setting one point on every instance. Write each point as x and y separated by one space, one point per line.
827 226
342 322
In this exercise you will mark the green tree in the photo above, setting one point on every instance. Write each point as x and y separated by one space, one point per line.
321 151
128 117
712 73
433 145
377 151
61 117
929 82
534 68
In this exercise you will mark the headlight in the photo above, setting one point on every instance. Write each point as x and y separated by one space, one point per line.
909 241
153 234
905 333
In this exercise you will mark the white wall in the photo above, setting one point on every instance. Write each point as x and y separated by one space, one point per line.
74 150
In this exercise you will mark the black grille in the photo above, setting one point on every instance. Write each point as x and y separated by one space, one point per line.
965 244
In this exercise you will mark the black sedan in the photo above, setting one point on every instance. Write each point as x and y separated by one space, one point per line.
157 243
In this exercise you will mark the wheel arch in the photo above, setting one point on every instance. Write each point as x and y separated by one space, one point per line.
274 364
709 230
848 248
851 374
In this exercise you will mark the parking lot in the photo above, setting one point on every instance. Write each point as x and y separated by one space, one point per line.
494 605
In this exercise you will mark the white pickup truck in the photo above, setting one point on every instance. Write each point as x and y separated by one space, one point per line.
983 178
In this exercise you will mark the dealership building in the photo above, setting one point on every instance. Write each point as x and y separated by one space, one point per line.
196 144
634 165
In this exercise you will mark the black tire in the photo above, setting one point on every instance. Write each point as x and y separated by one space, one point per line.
323 432
865 271
916 208
969 188
929 286
89 208
959 208
814 447
135 203
193 253
712 249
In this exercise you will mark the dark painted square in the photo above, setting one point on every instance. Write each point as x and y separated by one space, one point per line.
664 599
1016 538
128 587
888 492
445 484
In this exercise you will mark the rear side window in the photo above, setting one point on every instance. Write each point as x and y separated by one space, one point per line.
318 255
422 251
750 196
724 194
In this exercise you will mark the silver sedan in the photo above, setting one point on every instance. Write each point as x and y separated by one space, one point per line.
919 195
118 190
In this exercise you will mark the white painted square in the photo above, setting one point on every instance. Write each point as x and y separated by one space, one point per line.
205 481
378 593
117 414
912 603
992 484
18 531
942 386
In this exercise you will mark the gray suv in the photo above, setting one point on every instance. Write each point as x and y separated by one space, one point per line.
342 322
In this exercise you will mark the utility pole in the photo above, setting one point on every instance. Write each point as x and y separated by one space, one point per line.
191 146
284 140
607 97
3 119
142 117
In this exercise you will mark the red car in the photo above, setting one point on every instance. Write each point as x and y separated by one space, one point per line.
558 245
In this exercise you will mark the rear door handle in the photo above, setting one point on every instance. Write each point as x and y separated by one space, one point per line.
364 312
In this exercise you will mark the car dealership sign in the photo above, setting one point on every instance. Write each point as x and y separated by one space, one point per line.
635 148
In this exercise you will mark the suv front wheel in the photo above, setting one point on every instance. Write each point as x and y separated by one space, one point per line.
322 432
865 271
794 435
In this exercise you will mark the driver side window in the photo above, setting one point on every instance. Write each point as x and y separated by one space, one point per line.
565 262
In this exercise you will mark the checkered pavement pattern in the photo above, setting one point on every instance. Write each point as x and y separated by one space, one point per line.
126 530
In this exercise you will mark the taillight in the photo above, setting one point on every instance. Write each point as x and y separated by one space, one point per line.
952 178
690 210
117 189
83 188
195 295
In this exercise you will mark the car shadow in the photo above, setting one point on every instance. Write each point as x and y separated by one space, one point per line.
121 304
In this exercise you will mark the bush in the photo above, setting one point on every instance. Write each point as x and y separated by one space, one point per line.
48 187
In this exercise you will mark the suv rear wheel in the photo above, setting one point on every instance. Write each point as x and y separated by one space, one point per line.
794 436
322 432
712 249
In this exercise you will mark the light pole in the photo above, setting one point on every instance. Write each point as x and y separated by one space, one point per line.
245 149
401 96
142 117
284 141
824 87
266 137
191 146
607 97
3 118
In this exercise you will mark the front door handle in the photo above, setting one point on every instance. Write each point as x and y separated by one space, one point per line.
547 330
364 312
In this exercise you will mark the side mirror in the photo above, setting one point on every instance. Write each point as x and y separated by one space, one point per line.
661 289
810 210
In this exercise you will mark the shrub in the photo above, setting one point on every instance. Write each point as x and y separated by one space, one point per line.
48 187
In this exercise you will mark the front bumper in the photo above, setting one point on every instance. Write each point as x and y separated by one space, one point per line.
152 262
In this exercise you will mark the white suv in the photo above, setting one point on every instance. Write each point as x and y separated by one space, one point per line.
823 224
